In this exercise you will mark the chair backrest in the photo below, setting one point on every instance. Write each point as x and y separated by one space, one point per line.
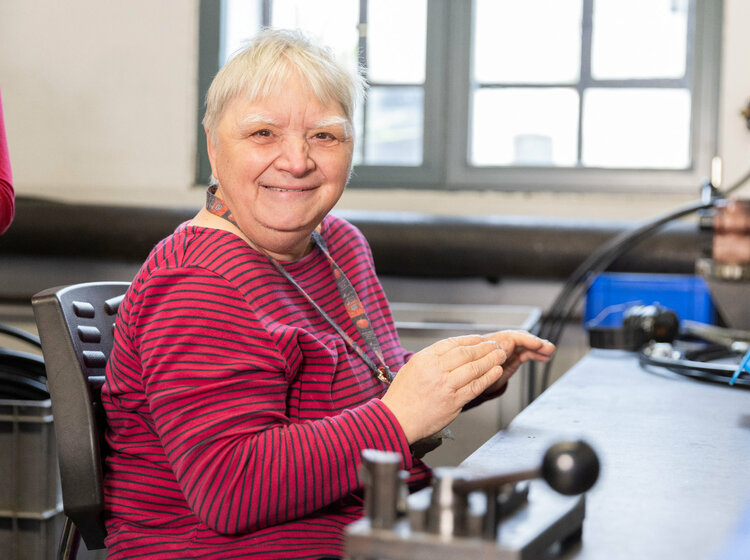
76 327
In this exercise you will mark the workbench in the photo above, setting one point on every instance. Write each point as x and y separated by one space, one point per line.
674 454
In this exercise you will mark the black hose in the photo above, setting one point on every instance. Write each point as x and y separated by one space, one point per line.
20 334
553 323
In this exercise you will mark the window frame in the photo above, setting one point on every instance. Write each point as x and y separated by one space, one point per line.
209 52
432 169
447 98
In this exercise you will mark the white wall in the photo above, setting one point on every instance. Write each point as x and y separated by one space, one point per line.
734 136
100 97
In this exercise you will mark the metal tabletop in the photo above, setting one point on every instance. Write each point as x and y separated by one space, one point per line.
674 452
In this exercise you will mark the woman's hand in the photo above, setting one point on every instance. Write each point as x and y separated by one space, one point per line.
434 385
519 347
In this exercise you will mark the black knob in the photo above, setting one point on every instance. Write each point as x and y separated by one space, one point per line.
570 467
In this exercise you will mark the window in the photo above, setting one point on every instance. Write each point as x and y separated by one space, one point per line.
570 94
390 124
539 94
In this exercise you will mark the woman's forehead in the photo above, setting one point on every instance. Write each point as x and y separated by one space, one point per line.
291 82
253 118
277 107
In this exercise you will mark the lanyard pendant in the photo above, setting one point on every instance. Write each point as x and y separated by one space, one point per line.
385 375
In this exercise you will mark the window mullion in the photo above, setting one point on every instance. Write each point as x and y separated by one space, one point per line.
434 90
458 31
362 57
208 64
584 80
266 12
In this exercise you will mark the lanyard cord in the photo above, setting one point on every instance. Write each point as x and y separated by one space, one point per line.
382 372
352 303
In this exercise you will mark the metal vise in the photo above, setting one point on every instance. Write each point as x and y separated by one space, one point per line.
492 517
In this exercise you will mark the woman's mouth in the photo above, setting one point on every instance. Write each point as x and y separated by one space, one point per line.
287 189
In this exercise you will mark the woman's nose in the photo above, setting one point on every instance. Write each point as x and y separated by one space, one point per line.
294 156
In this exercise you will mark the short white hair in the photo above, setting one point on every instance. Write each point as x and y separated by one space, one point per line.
268 62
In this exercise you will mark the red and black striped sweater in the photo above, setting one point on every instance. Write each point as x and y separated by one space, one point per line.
236 413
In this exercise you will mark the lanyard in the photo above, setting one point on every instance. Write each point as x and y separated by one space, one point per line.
352 303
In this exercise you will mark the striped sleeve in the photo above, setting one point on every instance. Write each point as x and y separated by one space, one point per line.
217 388
7 195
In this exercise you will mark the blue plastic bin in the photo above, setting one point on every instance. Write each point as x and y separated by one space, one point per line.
610 293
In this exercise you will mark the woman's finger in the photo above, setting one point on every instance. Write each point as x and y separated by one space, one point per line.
466 354
511 341
467 373
479 385
447 344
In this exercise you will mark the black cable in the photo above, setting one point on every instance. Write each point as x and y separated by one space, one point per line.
15 386
599 260
22 375
20 334
703 371
553 324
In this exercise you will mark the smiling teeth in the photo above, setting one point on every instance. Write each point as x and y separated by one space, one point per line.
281 189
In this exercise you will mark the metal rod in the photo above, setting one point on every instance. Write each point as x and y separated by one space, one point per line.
494 481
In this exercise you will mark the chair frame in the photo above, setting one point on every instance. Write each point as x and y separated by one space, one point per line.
75 364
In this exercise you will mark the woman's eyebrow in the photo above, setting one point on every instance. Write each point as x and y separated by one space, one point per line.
254 119
257 118
331 121
334 121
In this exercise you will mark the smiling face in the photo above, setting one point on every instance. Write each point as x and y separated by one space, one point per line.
281 163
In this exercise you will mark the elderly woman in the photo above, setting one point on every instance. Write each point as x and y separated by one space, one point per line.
255 352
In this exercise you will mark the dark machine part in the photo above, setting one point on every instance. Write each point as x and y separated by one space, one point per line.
730 287
641 324
502 516
725 264
704 352
571 468
380 474
710 195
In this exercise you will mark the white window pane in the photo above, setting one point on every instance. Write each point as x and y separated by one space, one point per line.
529 41
359 126
639 39
393 135
240 21
333 23
636 128
396 34
521 126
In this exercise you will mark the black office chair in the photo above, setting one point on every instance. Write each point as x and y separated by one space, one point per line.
76 327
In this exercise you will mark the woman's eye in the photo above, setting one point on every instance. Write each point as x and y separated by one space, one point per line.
327 136
264 133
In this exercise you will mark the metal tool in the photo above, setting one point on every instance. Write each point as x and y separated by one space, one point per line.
503 516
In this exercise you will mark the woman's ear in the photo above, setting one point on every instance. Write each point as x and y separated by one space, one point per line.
211 150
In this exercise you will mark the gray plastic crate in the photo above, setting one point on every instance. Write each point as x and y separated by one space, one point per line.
31 516
37 539
29 539
29 475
